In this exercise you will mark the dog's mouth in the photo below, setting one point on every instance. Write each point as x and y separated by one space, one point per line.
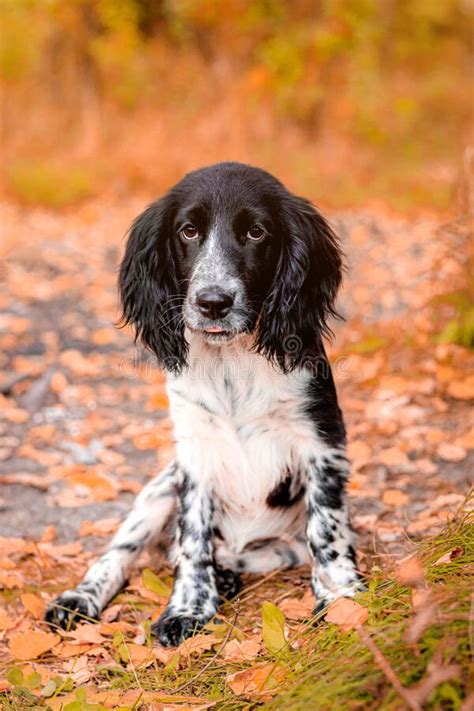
217 334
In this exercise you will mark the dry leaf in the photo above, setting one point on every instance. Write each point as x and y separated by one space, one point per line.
392 457
6 622
197 644
258 680
451 452
462 389
34 604
450 556
79 670
32 645
410 572
346 613
236 651
298 608
86 632
105 527
394 497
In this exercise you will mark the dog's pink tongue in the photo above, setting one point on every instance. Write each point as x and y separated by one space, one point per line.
214 329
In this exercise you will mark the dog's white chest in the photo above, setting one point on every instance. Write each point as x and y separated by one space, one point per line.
239 423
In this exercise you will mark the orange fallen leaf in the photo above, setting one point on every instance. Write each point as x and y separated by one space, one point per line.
258 680
139 656
236 651
49 534
34 604
410 572
99 528
451 452
70 649
462 389
392 457
359 454
86 633
394 497
298 608
6 622
346 613
32 645
100 488
197 644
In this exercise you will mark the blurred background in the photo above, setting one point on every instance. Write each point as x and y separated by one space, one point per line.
349 101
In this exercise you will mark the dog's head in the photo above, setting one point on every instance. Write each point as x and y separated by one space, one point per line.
229 251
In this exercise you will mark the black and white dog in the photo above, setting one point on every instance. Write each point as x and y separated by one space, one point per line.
230 280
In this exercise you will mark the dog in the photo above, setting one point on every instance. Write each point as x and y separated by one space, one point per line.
230 280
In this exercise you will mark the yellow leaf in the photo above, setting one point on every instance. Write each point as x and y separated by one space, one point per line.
273 622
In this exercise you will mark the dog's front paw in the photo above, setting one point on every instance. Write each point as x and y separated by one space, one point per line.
172 629
69 608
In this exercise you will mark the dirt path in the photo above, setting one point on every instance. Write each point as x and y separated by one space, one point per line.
83 419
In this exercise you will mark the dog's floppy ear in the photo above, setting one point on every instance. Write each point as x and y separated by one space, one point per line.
302 298
149 287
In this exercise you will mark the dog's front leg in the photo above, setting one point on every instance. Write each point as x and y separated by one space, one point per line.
329 531
194 599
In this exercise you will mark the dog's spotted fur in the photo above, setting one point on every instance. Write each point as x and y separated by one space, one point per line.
259 477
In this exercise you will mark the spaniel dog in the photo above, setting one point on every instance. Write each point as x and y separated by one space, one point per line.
229 280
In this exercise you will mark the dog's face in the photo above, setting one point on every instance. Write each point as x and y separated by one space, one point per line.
229 251
226 239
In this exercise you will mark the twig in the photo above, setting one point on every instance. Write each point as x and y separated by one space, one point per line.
384 665
213 658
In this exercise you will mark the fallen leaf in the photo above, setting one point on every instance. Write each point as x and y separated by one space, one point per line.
105 527
394 497
79 670
454 554
258 680
346 613
236 651
392 457
32 645
85 632
153 583
410 572
462 389
273 628
6 622
34 604
298 608
197 644
451 452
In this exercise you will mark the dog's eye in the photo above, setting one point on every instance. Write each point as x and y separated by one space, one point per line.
189 232
255 233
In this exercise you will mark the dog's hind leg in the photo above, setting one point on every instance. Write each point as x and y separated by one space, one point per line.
152 509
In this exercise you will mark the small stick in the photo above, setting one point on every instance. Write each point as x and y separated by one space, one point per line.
384 665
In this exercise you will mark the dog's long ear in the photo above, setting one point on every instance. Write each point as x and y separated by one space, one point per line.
302 297
149 287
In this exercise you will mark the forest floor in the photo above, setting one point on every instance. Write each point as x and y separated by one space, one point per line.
83 424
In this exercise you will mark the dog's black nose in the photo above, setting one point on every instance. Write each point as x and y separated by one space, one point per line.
214 304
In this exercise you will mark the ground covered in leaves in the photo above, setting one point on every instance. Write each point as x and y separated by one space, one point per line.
83 423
